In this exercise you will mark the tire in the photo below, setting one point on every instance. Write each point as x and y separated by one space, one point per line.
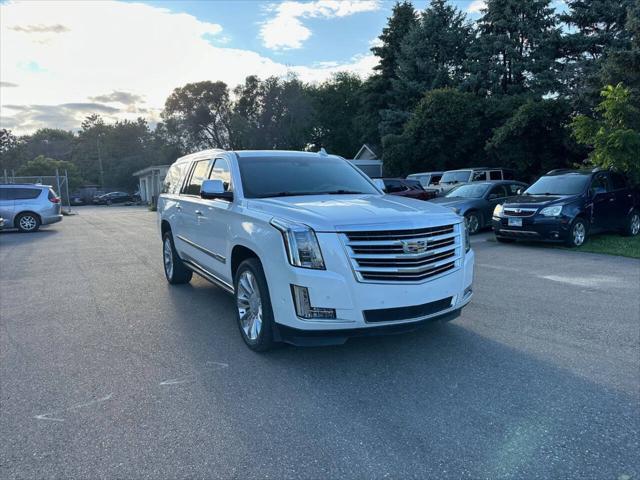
254 314
505 240
577 233
175 270
473 222
28 222
632 226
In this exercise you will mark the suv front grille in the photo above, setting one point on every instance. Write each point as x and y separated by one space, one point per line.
412 255
519 212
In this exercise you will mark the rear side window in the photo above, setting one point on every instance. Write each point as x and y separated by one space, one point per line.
495 175
199 173
618 182
394 186
435 179
508 175
23 193
479 176
173 179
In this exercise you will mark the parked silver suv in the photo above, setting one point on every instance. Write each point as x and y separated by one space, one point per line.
27 206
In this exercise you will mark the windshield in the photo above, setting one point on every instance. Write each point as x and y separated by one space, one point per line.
468 191
423 179
456 177
289 176
559 185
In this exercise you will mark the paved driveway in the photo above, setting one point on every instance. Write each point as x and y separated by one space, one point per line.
108 372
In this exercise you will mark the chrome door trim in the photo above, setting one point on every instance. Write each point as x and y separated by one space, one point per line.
207 275
220 258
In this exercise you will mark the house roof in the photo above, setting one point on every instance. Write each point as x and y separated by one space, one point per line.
366 153
144 171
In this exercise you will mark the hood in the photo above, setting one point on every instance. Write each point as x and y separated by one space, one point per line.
451 201
537 200
330 213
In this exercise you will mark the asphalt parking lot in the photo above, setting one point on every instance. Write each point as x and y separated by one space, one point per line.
108 372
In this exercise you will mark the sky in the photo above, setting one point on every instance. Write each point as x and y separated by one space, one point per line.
63 60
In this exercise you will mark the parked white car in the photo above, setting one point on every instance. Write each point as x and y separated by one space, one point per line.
312 250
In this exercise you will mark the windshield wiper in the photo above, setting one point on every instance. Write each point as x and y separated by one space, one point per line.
341 192
286 194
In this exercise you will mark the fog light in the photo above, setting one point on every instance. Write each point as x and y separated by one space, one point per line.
303 305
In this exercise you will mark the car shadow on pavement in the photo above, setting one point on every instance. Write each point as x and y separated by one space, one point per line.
442 401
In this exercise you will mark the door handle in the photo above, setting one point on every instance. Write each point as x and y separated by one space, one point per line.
198 212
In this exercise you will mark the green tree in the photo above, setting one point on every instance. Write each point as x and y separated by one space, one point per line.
516 49
45 166
596 30
535 139
447 130
12 153
614 133
200 114
336 103
376 95
433 53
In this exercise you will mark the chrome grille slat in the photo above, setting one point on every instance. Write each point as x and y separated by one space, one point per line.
380 257
519 212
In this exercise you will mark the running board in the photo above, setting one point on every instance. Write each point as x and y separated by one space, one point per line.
208 276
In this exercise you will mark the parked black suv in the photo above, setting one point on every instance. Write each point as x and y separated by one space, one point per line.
567 206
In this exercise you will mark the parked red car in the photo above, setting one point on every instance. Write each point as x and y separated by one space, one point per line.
404 187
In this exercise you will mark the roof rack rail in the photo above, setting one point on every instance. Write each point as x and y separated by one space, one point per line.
558 170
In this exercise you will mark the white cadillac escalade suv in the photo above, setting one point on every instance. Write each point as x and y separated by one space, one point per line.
311 250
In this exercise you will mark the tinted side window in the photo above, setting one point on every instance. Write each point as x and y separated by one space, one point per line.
618 182
435 179
199 173
498 190
4 194
512 188
508 175
495 175
222 171
394 186
24 193
599 184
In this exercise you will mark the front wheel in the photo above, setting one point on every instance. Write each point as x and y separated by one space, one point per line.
253 306
632 227
472 220
577 233
27 222
174 270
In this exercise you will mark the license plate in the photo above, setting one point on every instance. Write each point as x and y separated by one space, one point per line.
515 222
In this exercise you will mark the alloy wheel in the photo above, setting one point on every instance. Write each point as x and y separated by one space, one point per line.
167 254
249 304
27 222
472 223
635 224
579 234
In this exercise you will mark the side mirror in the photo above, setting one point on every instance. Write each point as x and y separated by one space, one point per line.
212 189
378 182
520 191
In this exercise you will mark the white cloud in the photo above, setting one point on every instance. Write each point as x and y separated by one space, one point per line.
476 6
111 51
286 30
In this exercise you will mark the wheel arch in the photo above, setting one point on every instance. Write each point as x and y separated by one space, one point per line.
165 227
18 215
239 253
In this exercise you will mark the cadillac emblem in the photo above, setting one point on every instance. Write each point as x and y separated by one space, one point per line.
414 246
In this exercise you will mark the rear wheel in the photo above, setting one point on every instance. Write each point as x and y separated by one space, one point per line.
632 227
577 233
174 270
27 222
254 312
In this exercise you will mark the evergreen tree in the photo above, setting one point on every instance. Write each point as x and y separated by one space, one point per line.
516 49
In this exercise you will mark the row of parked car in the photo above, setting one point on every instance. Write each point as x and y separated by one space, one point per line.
106 198
561 206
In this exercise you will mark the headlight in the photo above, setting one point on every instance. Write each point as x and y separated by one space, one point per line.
301 244
551 211
467 240
497 211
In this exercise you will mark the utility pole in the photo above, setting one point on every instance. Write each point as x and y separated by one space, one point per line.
100 161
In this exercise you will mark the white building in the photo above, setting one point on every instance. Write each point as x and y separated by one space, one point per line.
367 161
150 182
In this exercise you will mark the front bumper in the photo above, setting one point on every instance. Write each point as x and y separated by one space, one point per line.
337 288
536 227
